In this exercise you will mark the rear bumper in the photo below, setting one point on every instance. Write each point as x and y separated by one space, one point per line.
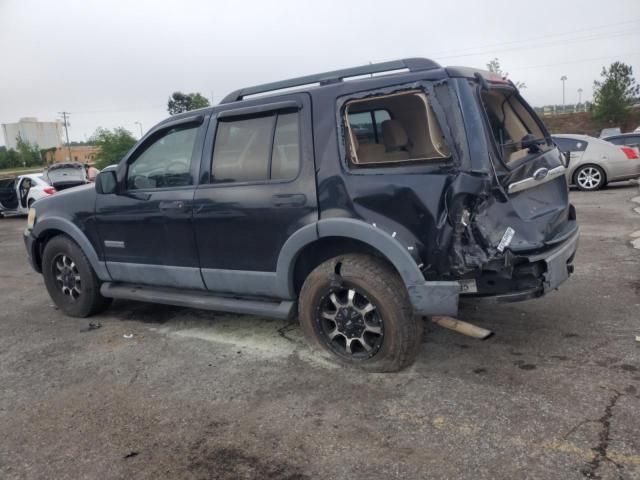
441 298
559 262
556 265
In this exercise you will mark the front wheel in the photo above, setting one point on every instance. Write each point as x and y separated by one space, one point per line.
72 284
356 307
589 178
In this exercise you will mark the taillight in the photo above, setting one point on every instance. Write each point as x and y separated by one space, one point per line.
49 190
630 153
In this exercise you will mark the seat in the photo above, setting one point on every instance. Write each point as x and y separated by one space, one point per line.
396 140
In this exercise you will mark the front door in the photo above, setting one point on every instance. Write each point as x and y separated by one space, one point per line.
260 190
146 227
8 194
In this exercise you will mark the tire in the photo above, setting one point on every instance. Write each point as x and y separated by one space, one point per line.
77 292
589 178
376 321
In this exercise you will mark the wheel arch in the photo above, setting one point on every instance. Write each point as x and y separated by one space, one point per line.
315 243
50 227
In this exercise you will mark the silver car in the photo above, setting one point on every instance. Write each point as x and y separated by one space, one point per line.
592 162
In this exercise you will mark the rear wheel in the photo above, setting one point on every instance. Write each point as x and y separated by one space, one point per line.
70 280
589 178
357 308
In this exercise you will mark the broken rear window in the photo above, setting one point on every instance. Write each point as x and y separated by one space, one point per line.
510 123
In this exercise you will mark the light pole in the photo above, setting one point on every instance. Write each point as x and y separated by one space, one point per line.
579 97
564 79
140 125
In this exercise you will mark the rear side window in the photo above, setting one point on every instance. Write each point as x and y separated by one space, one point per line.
393 129
570 145
367 126
260 148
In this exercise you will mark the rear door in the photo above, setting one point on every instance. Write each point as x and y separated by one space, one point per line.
260 188
531 171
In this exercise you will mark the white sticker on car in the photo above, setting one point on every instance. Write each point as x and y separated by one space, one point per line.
506 239
468 285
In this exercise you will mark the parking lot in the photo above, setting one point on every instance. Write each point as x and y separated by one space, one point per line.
149 391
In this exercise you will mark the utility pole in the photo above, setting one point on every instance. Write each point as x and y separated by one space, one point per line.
564 79
65 115
140 125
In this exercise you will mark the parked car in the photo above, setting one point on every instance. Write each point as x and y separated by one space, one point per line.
66 175
592 162
607 132
17 194
260 204
626 139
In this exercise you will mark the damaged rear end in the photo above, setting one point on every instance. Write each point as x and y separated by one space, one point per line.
513 232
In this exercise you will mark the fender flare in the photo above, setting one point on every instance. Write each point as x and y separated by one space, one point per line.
377 238
69 228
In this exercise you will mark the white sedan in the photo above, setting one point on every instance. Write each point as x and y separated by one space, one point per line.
592 162
17 194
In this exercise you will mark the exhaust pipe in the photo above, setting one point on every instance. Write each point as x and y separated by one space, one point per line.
462 327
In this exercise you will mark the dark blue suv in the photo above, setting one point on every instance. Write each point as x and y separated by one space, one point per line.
367 203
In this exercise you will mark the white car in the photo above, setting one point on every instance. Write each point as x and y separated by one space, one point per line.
592 162
17 194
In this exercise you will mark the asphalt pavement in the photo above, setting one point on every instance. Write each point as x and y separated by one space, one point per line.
154 392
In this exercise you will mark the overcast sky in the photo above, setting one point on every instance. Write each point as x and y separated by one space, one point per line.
113 63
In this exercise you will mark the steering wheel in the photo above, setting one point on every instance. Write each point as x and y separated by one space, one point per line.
171 168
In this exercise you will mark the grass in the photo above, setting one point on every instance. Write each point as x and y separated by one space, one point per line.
12 172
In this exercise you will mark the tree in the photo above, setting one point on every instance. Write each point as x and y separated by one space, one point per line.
183 102
9 158
113 144
29 154
614 95
494 66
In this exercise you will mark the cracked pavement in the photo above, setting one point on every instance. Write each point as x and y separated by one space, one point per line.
152 392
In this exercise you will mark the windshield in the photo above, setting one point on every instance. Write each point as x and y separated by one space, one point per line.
514 129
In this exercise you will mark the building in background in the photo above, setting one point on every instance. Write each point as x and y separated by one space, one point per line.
43 134
79 153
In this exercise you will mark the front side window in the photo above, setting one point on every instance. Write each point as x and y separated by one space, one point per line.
260 148
164 163
510 122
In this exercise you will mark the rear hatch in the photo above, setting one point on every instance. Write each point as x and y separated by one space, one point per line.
65 175
530 210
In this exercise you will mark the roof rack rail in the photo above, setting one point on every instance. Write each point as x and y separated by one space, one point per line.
411 64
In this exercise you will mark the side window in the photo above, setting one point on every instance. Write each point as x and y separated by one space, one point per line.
367 126
164 163
285 161
254 149
401 127
564 144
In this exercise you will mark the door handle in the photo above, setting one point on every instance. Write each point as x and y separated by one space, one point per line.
172 205
289 200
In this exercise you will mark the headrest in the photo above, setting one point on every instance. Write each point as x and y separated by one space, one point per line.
394 134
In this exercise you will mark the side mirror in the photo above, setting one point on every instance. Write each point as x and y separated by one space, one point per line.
106 182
